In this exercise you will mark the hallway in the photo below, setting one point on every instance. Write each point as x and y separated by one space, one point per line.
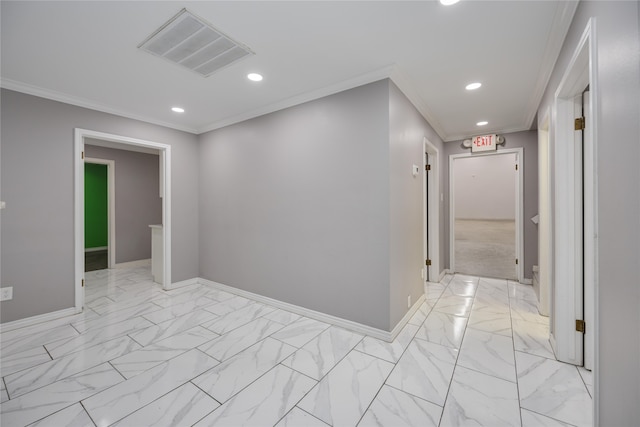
474 352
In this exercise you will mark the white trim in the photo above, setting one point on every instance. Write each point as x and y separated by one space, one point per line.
41 318
570 274
133 264
545 205
519 206
183 283
526 281
567 295
555 39
85 103
356 81
323 317
165 154
111 202
432 223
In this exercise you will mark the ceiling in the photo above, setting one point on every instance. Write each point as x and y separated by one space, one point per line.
86 53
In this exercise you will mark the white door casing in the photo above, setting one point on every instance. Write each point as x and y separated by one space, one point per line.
519 200
165 153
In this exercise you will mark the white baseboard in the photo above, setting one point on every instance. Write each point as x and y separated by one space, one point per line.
134 264
442 274
402 323
526 281
323 317
176 285
34 320
96 249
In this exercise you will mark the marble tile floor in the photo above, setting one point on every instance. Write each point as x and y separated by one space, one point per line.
475 353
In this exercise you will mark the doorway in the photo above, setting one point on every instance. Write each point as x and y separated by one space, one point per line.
432 270
99 213
573 309
132 144
485 214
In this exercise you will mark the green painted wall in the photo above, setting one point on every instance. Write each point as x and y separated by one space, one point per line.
95 206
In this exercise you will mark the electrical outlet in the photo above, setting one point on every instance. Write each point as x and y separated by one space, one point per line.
408 301
6 293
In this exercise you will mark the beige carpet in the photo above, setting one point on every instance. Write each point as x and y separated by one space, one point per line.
485 248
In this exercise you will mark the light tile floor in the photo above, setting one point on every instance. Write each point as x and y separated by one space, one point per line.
475 353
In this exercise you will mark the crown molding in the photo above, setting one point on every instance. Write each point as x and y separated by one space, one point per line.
559 29
84 103
373 76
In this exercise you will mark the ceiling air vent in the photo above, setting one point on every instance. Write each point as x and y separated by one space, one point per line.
189 41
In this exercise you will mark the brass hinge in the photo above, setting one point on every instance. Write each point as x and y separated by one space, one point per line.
516 167
579 123
427 167
580 326
83 283
82 155
516 261
427 262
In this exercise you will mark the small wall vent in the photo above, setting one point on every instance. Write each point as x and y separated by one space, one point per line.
194 44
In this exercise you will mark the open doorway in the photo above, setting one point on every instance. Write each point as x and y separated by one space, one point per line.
485 214
99 214
163 153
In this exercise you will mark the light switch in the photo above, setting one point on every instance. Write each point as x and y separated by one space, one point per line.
416 170
3 205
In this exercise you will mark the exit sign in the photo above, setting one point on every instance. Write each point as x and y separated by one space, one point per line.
483 143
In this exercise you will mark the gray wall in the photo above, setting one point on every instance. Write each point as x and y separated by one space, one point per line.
407 129
617 369
528 140
37 184
485 187
137 199
294 205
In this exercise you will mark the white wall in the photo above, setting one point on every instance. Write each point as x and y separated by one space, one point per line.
485 187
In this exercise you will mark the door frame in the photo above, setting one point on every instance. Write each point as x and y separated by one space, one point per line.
519 205
431 222
575 281
545 206
111 207
165 184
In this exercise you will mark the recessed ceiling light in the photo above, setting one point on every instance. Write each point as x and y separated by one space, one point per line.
177 109
254 77
482 123
448 2
473 86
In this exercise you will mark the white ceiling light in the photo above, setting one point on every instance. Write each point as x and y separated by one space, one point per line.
254 77
473 86
177 109
482 123
448 2
191 42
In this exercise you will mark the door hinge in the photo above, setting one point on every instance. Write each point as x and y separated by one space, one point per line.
427 167
83 283
580 326
427 262
579 123
516 261
82 155
516 167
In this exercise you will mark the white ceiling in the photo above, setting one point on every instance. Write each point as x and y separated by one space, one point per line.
85 53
